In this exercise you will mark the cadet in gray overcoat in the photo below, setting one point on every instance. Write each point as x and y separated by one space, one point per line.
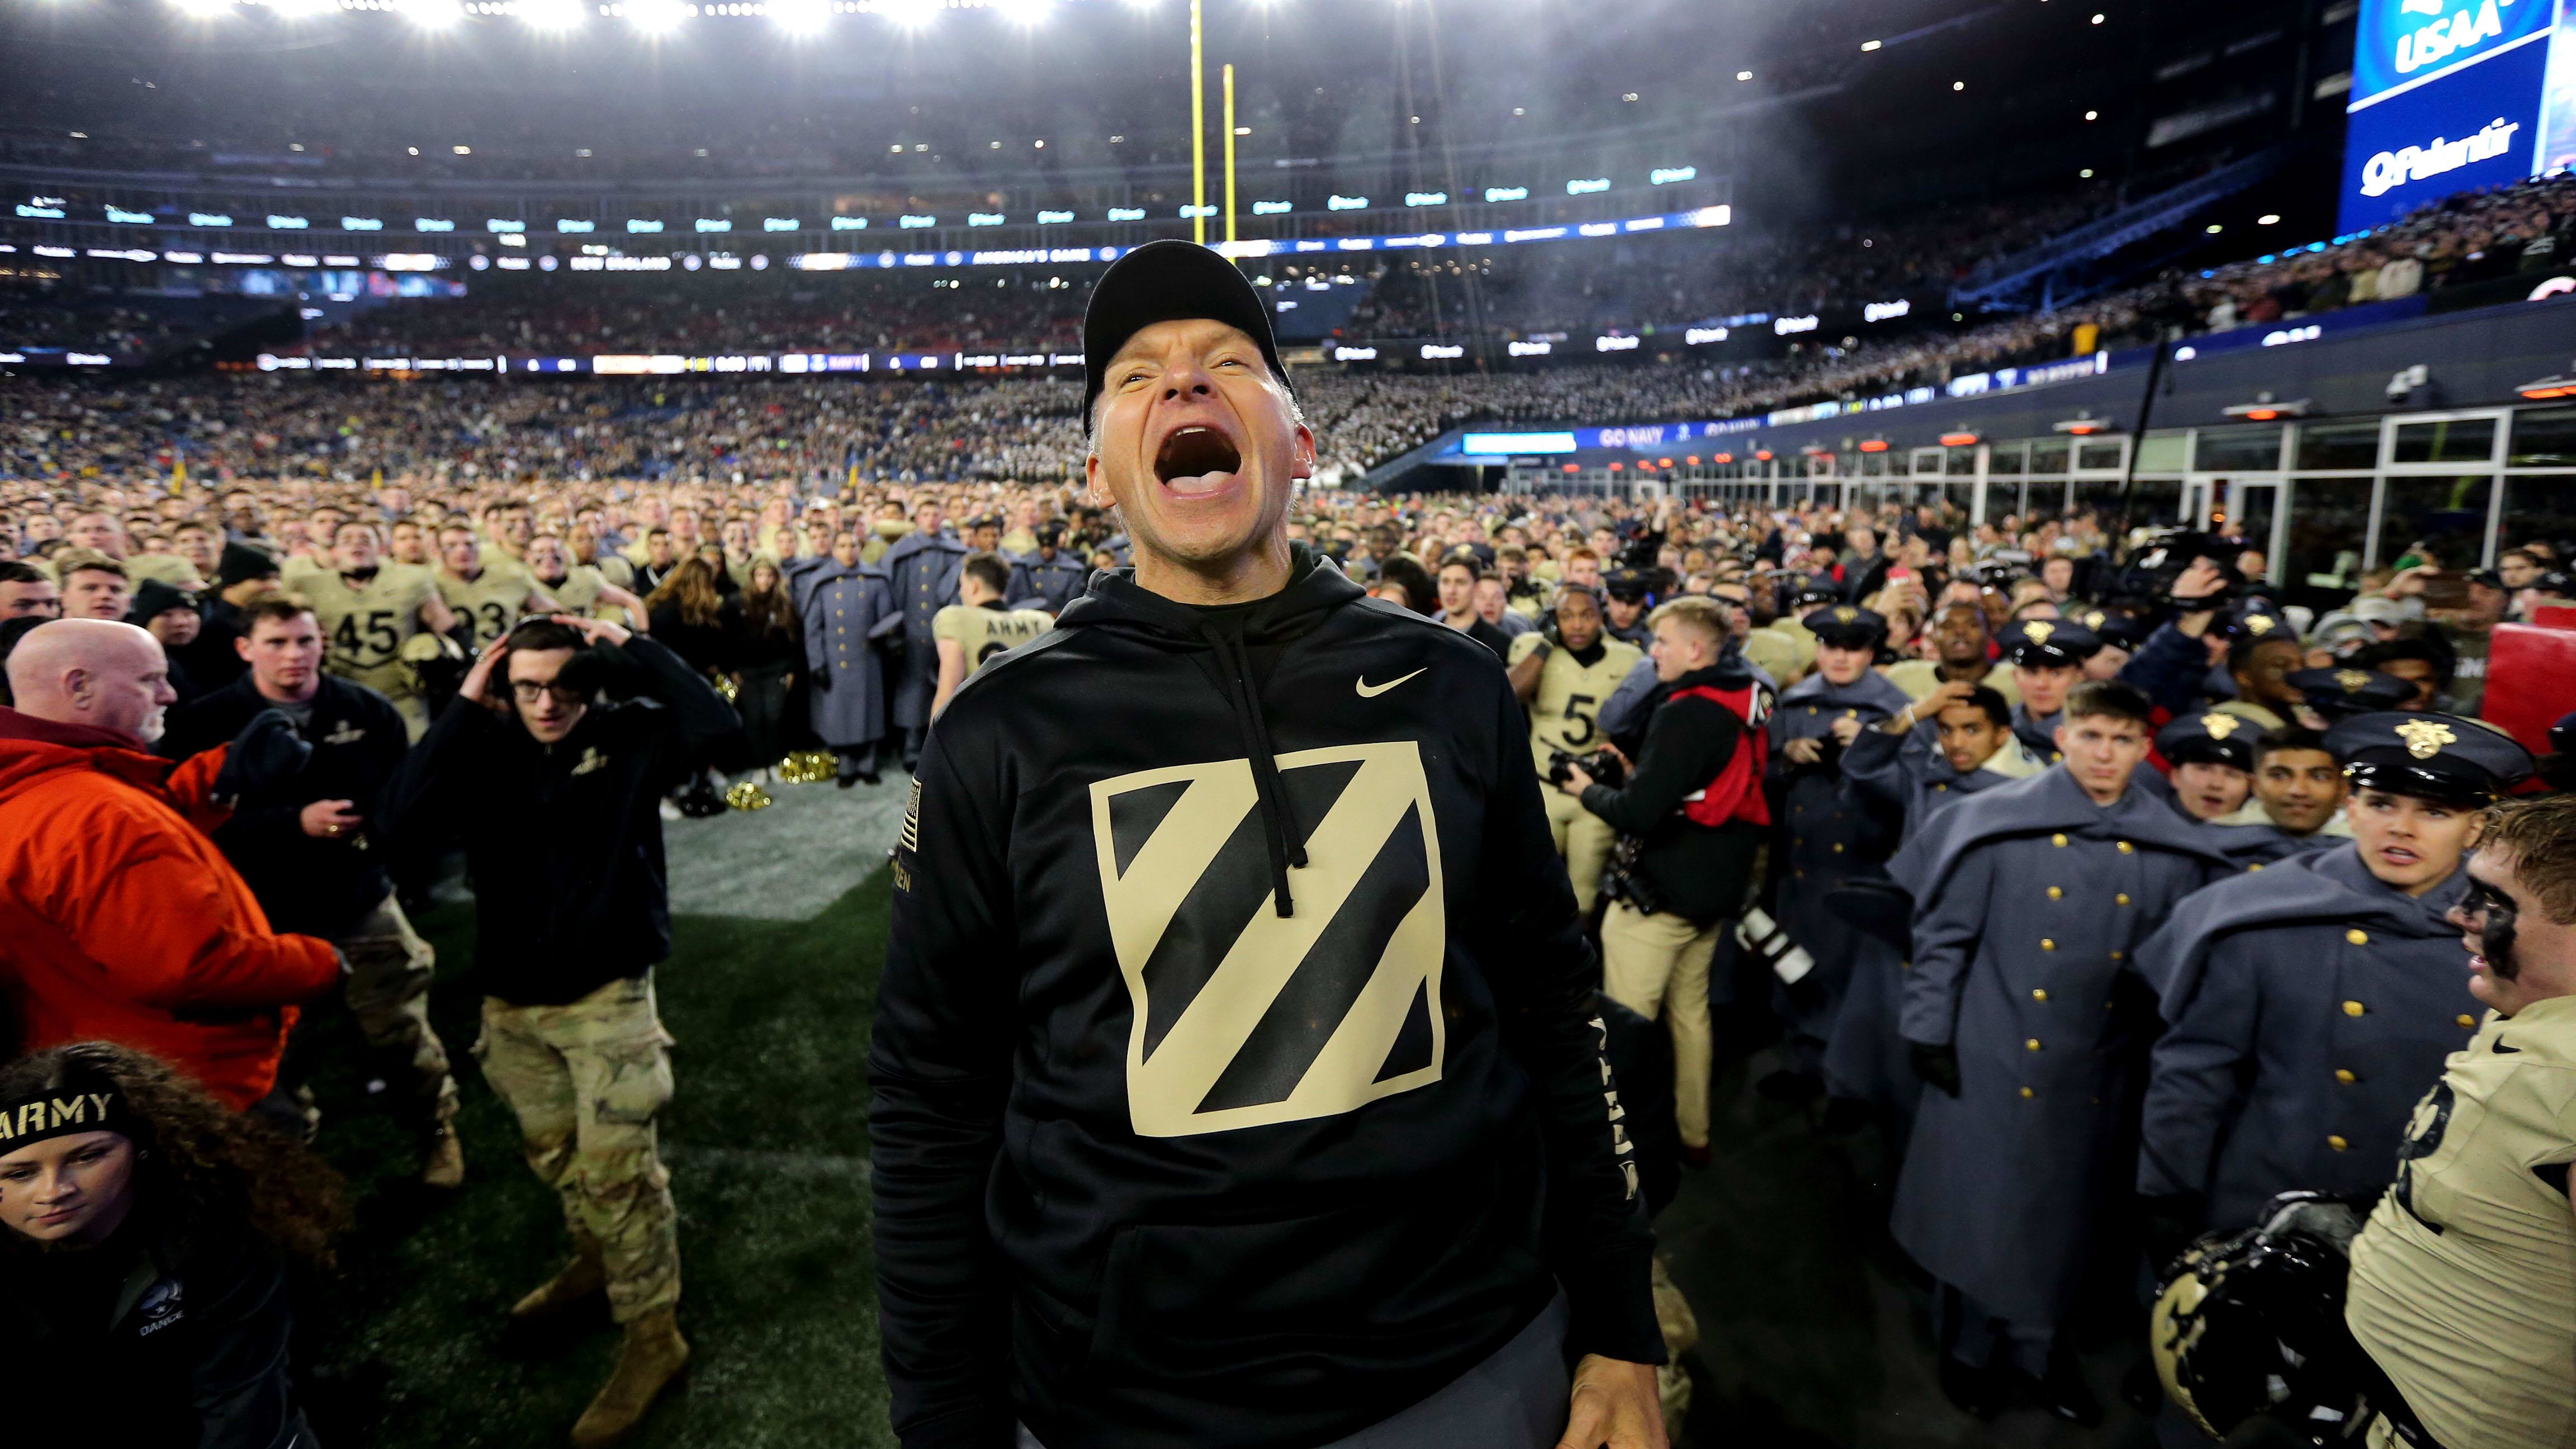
848 606
1827 835
921 569
2313 1004
2031 901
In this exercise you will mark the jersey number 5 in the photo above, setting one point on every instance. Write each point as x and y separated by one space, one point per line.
1578 719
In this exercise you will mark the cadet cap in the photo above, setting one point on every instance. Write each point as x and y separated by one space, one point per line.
2431 756
2049 643
1846 626
2210 738
2345 691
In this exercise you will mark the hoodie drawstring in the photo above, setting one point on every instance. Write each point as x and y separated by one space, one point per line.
1279 832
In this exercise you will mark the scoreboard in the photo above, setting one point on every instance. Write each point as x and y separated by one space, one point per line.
2449 95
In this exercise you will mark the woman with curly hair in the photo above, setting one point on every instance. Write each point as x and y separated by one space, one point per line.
143 1270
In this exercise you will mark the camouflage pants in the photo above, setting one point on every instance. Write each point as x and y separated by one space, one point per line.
388 992
586 1080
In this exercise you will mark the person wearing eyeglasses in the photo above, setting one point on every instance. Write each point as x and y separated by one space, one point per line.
556 793
2309 1004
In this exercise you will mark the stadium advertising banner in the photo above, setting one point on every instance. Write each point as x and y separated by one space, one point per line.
2449 95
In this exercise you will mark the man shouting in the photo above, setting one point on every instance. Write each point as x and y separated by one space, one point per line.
1236 1072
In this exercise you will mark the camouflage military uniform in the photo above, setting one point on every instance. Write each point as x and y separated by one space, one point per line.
586 1080
390 968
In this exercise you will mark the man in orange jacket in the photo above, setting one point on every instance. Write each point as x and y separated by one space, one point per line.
119 919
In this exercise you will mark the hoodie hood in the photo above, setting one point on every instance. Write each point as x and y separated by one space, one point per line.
1222 640
1315 585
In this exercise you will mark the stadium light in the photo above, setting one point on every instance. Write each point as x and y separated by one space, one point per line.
1744 75
801 18
204 9
910 14
1027 14
431 14
655 17
550 15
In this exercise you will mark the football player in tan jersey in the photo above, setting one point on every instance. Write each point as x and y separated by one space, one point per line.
581 588
582 541
494 592
2463 1285
368 610
969 633
1564 681
407 541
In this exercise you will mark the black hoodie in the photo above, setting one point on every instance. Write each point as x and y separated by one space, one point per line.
1236 1073
1696 871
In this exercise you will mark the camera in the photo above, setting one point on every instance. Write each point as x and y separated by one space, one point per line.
1604 767
2164 557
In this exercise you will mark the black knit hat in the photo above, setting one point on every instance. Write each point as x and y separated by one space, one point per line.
242 563
156 598
1168 281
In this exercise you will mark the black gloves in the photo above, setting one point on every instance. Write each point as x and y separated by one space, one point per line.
1938 1066
266 752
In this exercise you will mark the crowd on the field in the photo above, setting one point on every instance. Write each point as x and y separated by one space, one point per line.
702 641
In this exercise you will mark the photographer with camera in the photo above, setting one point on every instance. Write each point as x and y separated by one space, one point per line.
556 792
1693 815
2172 666
1563 671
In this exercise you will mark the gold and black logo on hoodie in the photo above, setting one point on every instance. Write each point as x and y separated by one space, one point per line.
1244 1017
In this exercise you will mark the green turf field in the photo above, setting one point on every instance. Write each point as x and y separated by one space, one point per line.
1815 1329
767 1145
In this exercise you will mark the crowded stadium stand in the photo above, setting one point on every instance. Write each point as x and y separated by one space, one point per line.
679 707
